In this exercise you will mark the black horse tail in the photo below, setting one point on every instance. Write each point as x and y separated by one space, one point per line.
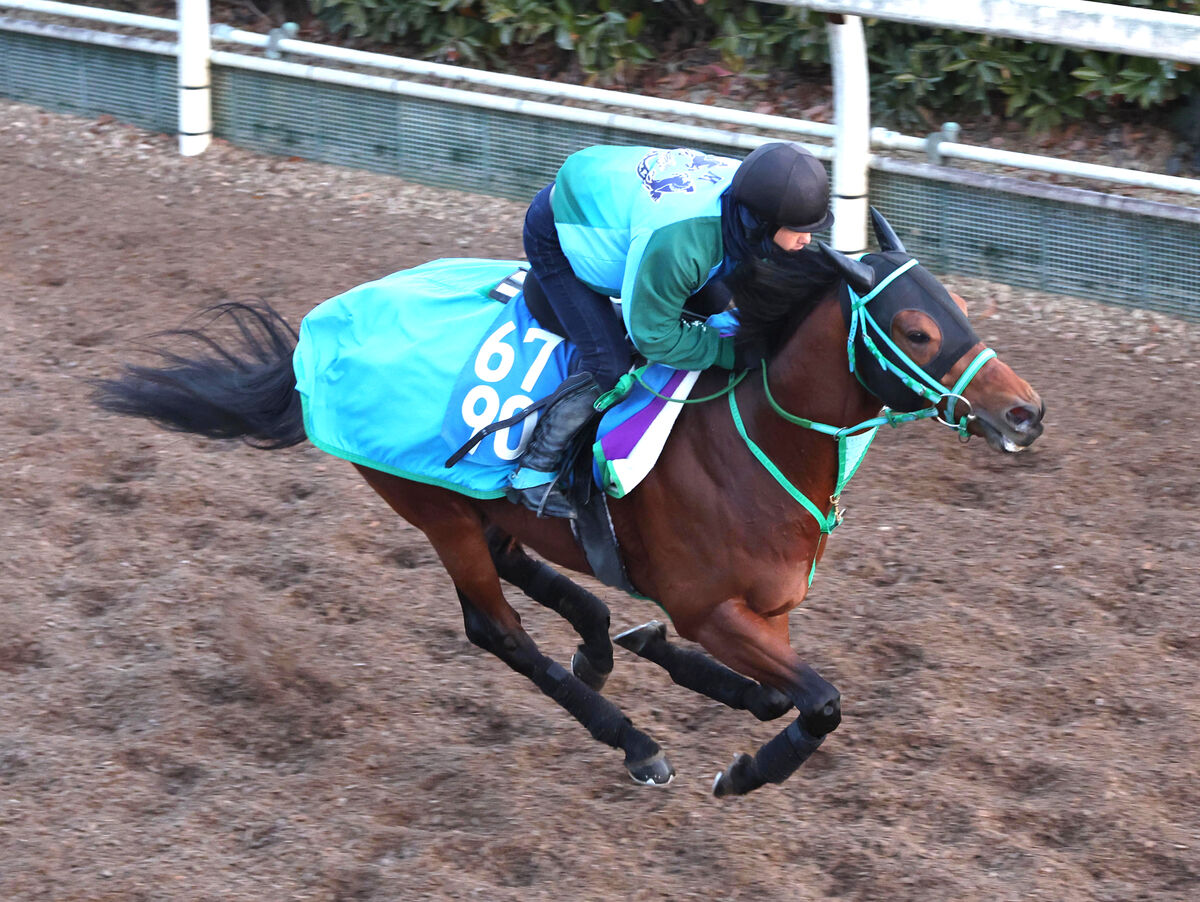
244 388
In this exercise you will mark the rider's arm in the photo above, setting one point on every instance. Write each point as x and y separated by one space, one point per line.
663 269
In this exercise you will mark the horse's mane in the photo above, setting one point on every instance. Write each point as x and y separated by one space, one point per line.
775 295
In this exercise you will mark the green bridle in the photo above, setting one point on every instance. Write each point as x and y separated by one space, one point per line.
854 441
918 381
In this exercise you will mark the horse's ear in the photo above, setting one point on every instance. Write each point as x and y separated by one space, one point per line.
885 234
859 276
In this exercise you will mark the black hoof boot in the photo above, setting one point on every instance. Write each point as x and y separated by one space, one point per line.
737 779
582 667
653 771
639 637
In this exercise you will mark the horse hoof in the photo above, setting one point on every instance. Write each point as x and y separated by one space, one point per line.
728 782
639 637
582 667
654 771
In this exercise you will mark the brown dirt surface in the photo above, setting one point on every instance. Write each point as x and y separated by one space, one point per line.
233 675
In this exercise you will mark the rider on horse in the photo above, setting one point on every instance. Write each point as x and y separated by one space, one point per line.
651 227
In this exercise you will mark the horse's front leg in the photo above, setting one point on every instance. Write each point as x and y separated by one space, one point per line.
758 646
695 670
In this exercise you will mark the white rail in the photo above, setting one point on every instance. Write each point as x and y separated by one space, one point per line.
111 16
683 133
86 36
480 77
1070 23
1032 162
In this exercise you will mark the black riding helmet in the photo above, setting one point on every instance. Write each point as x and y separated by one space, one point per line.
784 185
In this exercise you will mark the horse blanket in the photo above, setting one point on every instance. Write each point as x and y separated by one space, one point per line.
399 373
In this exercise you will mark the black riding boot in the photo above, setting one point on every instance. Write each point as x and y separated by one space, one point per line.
536 481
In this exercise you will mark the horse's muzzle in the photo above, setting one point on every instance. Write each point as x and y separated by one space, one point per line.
1015 430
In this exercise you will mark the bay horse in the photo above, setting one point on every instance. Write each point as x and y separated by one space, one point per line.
723 533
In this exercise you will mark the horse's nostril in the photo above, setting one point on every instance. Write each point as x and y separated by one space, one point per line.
1023 416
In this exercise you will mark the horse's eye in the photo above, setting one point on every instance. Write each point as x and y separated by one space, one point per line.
917 337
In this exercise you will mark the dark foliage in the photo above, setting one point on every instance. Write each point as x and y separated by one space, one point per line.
918 74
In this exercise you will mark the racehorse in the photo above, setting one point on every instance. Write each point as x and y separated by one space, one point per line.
723 533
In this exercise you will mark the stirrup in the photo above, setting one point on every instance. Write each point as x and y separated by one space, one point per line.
545 499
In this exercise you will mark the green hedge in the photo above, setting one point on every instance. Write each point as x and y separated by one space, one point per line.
917 74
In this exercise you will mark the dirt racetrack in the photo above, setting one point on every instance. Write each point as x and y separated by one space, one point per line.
234 675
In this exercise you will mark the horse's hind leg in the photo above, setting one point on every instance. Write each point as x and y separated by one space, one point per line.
593 659
455 530
493 625
695 670
644 760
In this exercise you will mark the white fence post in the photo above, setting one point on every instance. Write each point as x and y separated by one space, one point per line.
852 142
195 92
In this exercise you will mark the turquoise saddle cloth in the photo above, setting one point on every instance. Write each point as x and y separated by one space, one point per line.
397 374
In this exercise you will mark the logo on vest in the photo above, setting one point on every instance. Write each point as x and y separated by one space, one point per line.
666 171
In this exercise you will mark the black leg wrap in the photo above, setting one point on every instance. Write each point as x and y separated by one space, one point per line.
779 758
643 758
579 607
695 670
602 718
548 587
774 762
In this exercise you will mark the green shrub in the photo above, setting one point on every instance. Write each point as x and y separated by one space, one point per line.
603 38
918 76
917 73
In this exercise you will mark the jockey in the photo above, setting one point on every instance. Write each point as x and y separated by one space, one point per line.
651 227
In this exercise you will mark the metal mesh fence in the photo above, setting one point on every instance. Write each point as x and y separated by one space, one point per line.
1047 243
1131 256
88 80
449 145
